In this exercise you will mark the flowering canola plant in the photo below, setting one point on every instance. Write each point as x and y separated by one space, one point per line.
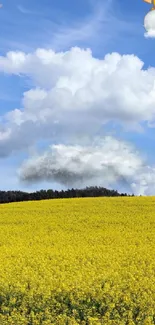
78 261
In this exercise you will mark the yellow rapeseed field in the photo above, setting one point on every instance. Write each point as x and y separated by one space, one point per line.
78 261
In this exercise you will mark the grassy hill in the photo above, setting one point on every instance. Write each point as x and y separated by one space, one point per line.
78 261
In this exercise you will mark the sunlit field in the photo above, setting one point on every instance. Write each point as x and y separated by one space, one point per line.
78 261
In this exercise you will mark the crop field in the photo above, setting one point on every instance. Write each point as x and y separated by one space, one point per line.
78 261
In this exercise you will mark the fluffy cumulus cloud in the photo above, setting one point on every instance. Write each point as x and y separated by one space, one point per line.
109 162
75 92
72 95
149 24
74 89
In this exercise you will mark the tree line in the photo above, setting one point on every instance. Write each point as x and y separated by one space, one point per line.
18 196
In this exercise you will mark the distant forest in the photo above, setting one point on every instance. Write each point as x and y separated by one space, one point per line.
18 196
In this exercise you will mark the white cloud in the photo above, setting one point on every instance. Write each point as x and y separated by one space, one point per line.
73 96
149 24
106 163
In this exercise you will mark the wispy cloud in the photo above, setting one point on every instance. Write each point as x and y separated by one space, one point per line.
80 31
28 11
102 25
23 10
61 30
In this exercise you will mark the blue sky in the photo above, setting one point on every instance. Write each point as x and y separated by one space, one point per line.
59 25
